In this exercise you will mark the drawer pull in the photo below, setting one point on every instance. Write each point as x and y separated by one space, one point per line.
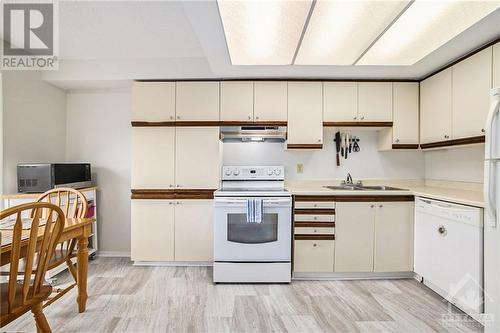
442 230
315 244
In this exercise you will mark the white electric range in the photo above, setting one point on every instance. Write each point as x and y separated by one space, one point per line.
252 252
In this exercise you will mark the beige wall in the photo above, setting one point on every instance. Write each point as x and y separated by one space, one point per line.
98 132
456 164
34 123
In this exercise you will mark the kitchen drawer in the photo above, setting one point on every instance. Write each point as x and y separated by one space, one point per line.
314 205
313 255
314 231
314 218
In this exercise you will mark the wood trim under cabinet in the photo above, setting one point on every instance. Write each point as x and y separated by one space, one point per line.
357 123
314 211
405 146
153 123
454 142
304 146
205 123
307 224
172 194
313 237
354 198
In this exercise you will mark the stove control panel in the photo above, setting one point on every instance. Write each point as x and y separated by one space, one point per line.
253 172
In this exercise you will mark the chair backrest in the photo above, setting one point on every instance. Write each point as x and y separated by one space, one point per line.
72 202
43 248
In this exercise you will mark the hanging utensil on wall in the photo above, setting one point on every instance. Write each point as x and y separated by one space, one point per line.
337 146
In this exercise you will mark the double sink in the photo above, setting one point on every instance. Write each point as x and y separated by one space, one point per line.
359 187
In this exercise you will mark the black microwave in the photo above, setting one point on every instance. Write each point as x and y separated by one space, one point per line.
41 177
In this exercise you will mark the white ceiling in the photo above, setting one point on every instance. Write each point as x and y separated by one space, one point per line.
104 43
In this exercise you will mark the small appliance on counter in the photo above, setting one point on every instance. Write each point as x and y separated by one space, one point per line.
41 177
252 226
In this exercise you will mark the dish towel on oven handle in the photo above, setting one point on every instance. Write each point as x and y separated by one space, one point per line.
254 210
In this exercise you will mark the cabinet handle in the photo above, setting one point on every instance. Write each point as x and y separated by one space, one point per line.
170 185
170 203
397 140
355 118
319 140
315 230
249 118
178 185
372 206
442 230
446 136
315 205
178 203
380 206
315 217
483 130
362 118
171 118
257 117
178 117
315 244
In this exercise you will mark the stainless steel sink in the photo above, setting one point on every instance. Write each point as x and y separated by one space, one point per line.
344 187
362 188
382 188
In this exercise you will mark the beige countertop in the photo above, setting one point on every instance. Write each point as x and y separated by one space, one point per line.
465 196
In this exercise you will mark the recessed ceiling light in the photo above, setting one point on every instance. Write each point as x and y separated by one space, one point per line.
424 27
263 32
340 31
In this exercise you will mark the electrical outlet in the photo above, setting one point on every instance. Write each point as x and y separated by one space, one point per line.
300 168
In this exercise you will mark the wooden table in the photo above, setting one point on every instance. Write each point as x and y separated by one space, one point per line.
79 228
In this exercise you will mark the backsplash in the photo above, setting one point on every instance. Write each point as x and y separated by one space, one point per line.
369 163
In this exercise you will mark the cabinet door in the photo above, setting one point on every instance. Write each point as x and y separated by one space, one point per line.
340 101
354 228
405 126
236 101
270 101
193 230
153 101
153 157
197 101
471 94
435 107
305 113
394 237
375 101
197 156
152 232
496 65
313 256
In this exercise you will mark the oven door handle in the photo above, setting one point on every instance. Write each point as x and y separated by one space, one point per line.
266 202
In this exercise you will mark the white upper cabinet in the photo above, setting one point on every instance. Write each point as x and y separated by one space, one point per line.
153 101
340 101
270 98
197 101
236 101
405 117
197 157
435 107
496 65
305 113
153 157
375 101
471 94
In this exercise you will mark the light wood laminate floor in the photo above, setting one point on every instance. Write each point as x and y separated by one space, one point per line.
126 298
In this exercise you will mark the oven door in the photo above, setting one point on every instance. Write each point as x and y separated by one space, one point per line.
237 240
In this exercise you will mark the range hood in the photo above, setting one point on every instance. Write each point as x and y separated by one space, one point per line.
253 133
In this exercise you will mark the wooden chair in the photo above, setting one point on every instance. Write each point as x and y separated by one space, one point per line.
74 205
19 298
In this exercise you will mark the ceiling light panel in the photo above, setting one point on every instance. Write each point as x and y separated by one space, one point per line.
424 27
340 31
263 32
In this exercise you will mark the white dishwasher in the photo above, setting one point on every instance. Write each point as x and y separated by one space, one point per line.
449 251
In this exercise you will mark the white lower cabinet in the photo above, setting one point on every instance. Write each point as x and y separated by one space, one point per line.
314 256
374 236
354 228
394 237
193 230
171 230
152 232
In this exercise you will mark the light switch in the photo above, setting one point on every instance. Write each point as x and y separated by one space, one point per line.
300 168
